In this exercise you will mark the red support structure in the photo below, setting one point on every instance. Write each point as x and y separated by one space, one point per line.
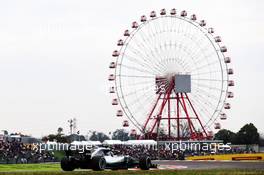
144 128
204 131
178 117
169 125
185 114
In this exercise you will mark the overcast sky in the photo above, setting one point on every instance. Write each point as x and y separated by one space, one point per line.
54 57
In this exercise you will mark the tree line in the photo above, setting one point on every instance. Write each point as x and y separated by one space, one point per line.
248 134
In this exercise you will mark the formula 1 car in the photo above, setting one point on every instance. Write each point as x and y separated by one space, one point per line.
103 158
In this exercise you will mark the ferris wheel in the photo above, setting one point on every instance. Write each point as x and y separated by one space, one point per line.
170 77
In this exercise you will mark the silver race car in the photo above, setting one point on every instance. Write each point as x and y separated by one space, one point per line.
103 158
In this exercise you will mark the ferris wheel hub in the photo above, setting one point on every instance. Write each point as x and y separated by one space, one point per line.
181 83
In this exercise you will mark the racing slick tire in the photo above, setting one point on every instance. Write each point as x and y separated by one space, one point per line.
144 163
98 163
67 164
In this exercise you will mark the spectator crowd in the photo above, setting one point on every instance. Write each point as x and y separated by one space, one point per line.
17 152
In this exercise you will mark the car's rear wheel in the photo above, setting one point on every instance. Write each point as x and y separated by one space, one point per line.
98 163
144 163
67 164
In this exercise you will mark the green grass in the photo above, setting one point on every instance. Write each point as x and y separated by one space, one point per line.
29 167
54 169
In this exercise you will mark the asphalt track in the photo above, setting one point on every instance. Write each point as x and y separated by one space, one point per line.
172 164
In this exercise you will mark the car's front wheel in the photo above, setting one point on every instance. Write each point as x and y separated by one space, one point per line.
144 163
98 163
